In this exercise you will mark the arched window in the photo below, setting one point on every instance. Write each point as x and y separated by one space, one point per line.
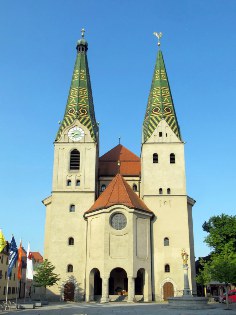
155 158
70 241
168 191
103 187
77 182
160 191
172 158
72 208
167 268
74 160
70 268
166 241
68 183
135 188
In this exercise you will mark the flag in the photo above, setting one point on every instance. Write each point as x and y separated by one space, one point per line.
20 252
13 254
29 268
2 241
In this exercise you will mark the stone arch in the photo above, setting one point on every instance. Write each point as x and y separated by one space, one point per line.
78 295
95 284
168 288
118 281
139 282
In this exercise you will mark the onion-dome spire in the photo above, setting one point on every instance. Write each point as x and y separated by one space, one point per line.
80 100
160 103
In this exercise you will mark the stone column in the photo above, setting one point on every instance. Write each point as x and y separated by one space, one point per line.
131 293
186 282
105 293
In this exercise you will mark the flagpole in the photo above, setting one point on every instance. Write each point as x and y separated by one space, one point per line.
7 290
25 288
16 290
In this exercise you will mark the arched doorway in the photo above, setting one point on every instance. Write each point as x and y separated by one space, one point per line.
95 284
118 282
168 290
139 282
69 291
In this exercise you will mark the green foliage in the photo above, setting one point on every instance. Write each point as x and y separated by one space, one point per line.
204 276
45 277
222 233
223 267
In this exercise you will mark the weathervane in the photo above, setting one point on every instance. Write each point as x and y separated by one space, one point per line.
82 32
159 36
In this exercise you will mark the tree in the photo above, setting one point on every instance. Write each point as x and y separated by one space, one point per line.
221 231
223 269
203 277
45 276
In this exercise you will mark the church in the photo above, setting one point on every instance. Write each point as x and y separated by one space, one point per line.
116 224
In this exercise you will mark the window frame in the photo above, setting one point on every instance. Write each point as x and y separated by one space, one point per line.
74 160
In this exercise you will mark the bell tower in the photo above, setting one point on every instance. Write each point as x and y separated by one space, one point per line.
163 186
74 186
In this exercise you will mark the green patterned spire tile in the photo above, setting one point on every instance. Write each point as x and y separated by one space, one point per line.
80 100
160 103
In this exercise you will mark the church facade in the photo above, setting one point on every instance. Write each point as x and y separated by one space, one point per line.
116 224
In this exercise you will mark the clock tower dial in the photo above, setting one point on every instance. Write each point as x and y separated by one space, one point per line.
76 133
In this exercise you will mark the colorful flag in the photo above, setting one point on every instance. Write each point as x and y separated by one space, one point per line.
2 241
20 252
13 254
29 268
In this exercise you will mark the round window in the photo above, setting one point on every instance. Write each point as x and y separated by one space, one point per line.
118 221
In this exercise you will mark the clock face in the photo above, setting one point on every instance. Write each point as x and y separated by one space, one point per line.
76 133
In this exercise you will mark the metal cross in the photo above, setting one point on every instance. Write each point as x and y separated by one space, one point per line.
158 35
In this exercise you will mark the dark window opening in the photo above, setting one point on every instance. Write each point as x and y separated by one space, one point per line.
75 160
78 182
135 188
70 268
167 268
155 158
160 134
168 191
71 241
103 187
160 191
68 182
72 208
172 158
166 241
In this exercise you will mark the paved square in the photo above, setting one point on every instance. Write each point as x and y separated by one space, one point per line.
122 309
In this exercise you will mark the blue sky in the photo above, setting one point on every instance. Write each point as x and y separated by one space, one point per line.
37 54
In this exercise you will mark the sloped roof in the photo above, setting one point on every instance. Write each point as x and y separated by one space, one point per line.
129 162
118 192
80 100
160 103
37 257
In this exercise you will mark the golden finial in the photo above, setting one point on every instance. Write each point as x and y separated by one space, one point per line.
159 36
82 32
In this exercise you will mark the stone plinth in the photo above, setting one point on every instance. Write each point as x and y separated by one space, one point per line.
188 302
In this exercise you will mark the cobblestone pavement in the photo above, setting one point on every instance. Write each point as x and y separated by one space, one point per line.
121 309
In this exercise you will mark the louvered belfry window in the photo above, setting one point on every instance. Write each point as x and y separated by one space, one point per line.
75 160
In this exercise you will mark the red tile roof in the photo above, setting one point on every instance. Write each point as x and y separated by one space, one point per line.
129 162
119 192
37 257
